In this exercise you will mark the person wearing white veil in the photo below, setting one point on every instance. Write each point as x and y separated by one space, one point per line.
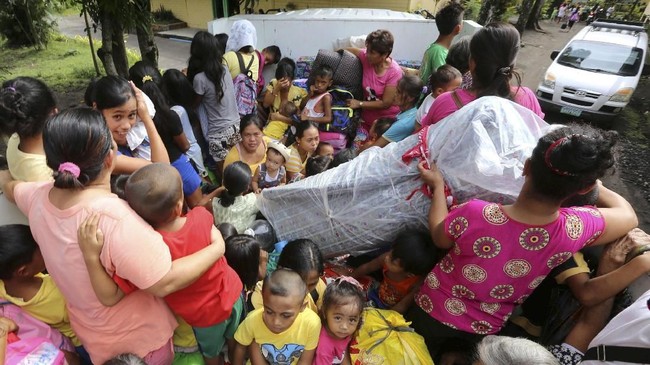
242 40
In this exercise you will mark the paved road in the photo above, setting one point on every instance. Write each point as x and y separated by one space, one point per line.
172 53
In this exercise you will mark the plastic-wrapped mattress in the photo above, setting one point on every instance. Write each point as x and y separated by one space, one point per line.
363 204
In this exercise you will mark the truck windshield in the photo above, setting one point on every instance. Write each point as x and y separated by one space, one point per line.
600 57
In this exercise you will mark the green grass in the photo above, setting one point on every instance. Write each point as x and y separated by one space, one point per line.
66 63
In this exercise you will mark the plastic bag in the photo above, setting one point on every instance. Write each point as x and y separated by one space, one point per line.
361 205
386 338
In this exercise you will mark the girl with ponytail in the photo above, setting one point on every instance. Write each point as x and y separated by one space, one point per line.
233 206
493 52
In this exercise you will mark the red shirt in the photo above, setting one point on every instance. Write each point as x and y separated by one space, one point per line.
209 300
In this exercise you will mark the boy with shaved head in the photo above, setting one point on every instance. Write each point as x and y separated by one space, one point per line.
282 332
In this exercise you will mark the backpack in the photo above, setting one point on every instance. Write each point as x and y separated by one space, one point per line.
344 118
245 88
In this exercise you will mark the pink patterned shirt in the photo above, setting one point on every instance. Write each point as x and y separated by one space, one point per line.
496 262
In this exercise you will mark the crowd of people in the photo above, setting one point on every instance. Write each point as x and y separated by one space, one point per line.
140 206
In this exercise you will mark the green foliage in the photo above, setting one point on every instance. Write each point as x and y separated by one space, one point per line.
472 7
26 23
163 15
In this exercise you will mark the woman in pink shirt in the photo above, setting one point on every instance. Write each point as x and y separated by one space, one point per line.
81 152
493 52
380 76
498 253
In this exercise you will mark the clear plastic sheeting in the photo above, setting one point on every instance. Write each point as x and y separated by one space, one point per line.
363 204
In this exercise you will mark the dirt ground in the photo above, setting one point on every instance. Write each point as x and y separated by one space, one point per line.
631 177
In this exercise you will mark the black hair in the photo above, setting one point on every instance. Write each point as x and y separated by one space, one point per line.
449 17
380 41
179 91
285 68
118 184
153 192
126 359
461 347
302 256
283 281
200 52
243 255
323 71
343 156
227 230
317 164
17 247
579 156
494 50
25 105
222 39
382 125
250 119
275 51
147 78
458 55
443 76
79 136
322 144
213 68
288 109
109 92
342 292
411 86
236 180
304 126
415 251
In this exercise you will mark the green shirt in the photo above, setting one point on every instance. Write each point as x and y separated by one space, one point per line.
434 57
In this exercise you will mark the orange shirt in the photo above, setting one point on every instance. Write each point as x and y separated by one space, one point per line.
391 291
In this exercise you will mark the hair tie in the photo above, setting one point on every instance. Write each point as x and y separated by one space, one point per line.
350 280
425 90
11 88
505 71
146 78
70 168
549 151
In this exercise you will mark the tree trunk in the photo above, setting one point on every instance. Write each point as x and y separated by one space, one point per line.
484 13
90 39
105 53
524 12
499 10
533 19
146 43
119 49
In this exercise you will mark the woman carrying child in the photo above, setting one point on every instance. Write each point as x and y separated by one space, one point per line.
493 51
79 148
409 90
25 105
279 92
252 148
499 254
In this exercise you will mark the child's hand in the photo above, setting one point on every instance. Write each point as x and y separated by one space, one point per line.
275 116
90 238
312 90
143 110
258 191
7 326
431 176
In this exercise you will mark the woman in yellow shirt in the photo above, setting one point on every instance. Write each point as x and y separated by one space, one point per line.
280 91
252 148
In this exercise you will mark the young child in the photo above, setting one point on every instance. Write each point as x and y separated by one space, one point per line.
379 127
412 256
317 106
303 257
282 332
244 255
23 284
232 206
341 315
324 149
212 304
502 252
446 78
317 164
272 172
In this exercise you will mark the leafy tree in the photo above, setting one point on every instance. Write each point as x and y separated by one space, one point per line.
492 11
26 23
